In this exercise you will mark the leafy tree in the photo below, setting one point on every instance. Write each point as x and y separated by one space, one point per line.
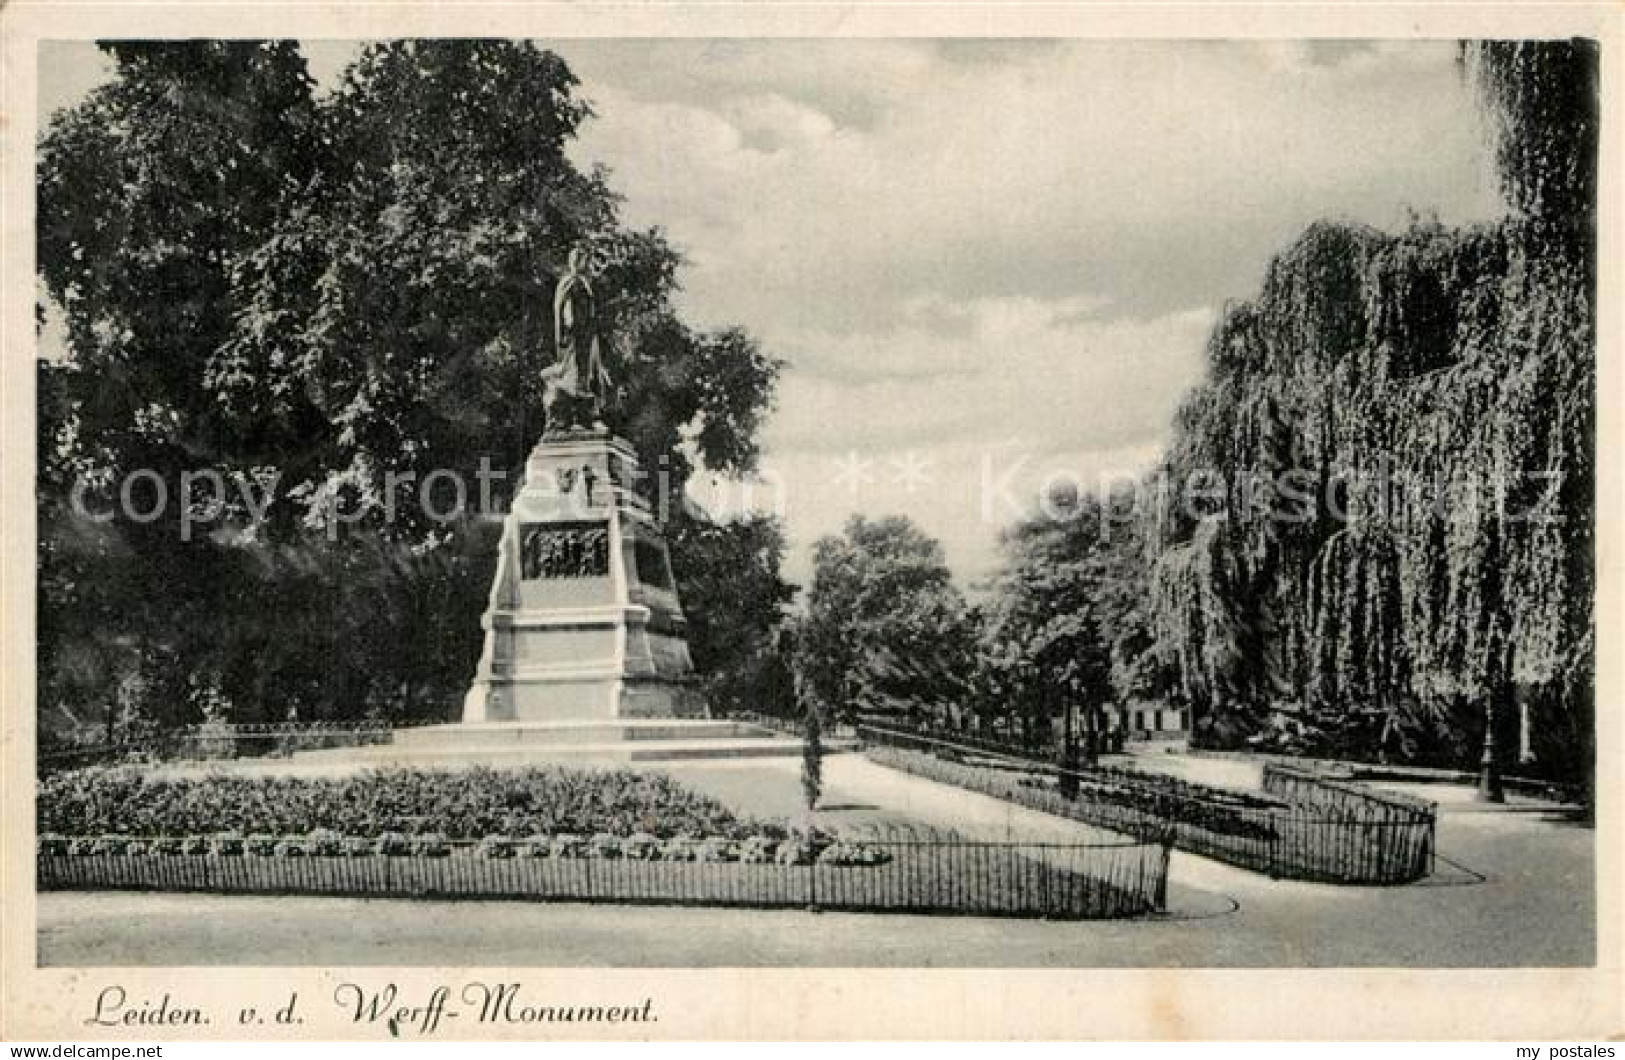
350 293
149 192
735 602
1432 394
885 628
1543 100
1062 604
413 301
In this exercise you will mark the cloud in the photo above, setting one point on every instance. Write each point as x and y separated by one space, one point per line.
965 244
1104 406
1143 171
818 74
965 247
1029 388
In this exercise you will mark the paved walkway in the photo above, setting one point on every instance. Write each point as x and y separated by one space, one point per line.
1515 888
860 794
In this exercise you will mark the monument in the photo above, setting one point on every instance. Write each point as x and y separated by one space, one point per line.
585 656
583 620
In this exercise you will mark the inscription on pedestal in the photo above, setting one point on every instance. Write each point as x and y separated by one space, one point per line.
564 550
584 620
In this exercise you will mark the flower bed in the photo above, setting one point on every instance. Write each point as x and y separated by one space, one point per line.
531 814
801 848
461 804
544 834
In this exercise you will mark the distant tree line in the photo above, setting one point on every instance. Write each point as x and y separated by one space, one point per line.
887 635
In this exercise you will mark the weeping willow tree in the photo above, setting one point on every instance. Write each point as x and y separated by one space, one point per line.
1403 426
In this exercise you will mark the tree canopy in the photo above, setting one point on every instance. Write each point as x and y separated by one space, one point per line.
340 304
1373 523
1064 623
1432 395
885 628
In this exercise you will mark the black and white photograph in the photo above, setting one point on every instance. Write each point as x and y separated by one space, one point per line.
1002 501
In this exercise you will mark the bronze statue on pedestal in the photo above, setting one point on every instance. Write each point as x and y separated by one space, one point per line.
576 387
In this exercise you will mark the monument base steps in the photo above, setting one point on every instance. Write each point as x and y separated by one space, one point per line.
516 744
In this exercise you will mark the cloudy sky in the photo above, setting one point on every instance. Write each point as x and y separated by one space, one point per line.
989 264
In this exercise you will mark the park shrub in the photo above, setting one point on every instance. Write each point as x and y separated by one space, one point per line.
261 845
717 848
394 845
798 850
431 845
227 845
845 852
569 845
801 848
1146 804
324 843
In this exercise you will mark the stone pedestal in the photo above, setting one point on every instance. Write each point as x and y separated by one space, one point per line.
584 621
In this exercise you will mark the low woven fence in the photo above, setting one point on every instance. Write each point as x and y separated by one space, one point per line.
1301 828
890 871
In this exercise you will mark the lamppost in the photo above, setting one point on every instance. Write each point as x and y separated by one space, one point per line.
1069 745
1489 766
1030 700
1499 673
1091 734
1489 763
